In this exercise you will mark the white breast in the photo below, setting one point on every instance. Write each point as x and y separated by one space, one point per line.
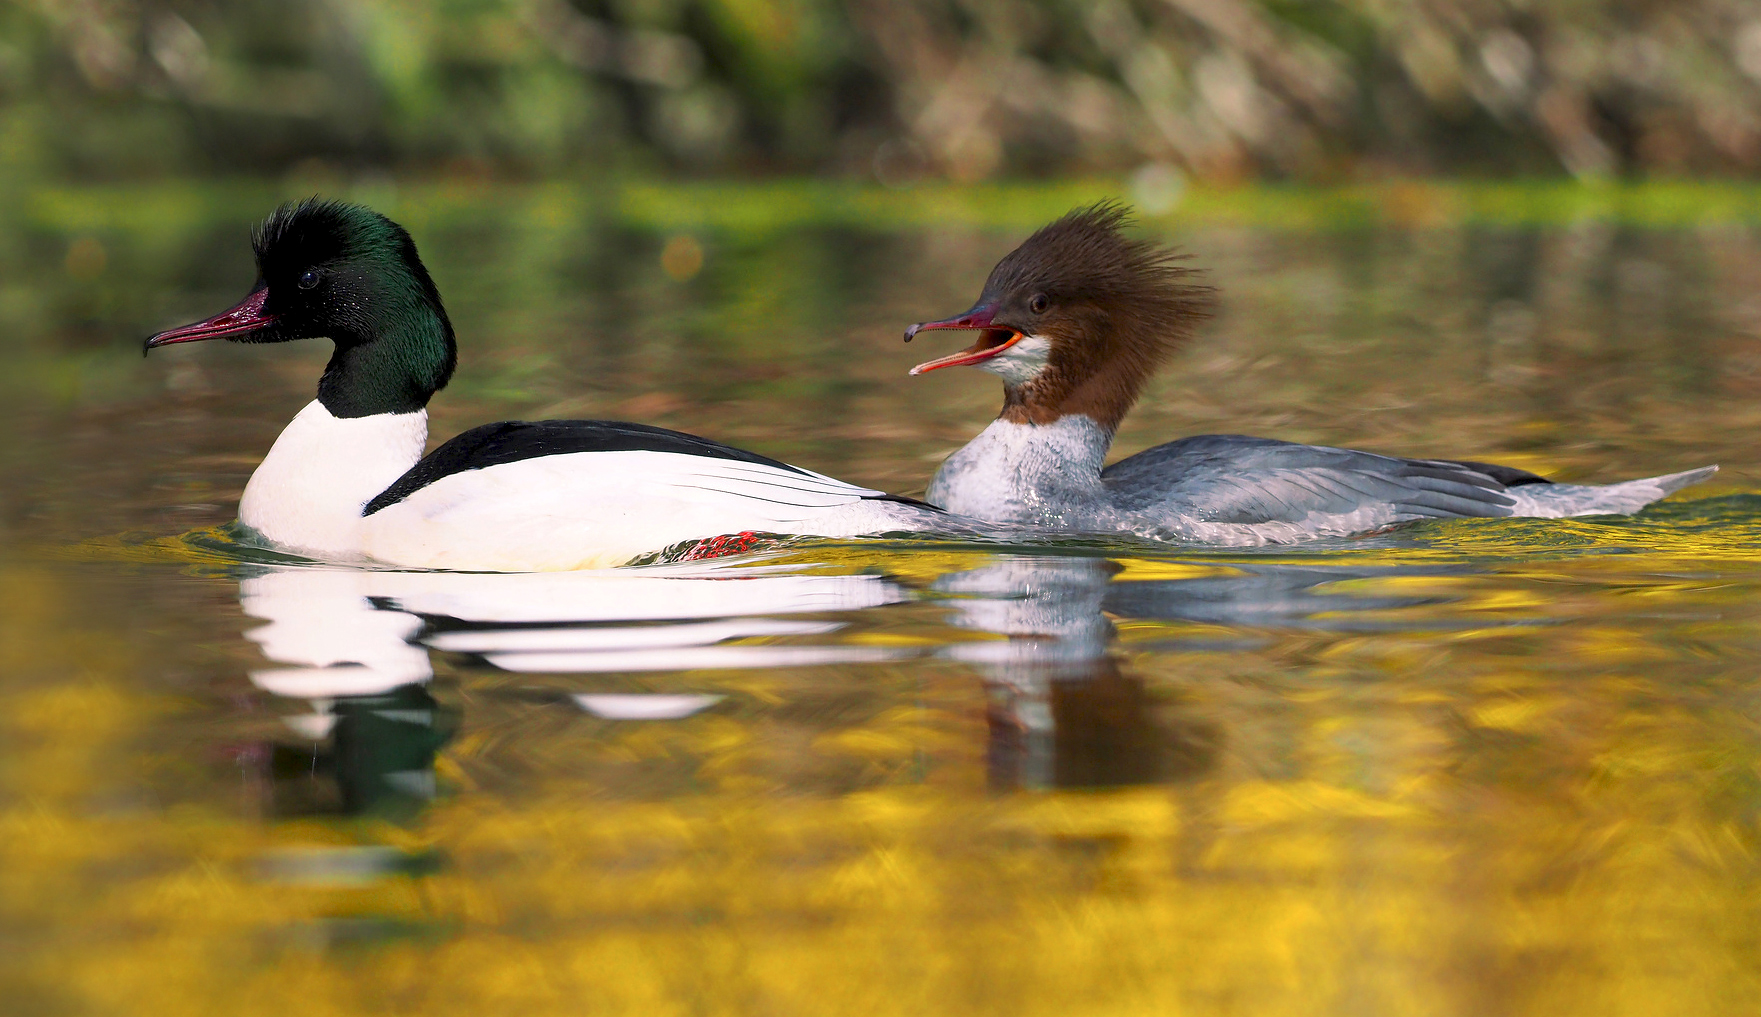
308 493
1029 474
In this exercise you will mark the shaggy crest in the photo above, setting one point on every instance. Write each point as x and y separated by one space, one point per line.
319 230
1119 307
1086 253
302 234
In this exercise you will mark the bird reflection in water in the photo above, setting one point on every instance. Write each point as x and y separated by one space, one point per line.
1062 710
359 643
377 751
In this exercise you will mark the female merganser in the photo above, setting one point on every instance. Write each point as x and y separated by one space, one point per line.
1076 319
347 478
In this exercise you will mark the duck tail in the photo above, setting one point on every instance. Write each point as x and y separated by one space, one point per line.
1557 500
1670 483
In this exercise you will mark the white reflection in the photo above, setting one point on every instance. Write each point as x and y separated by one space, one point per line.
1056 636
616 706
357 633
511 641
1048 608
357 644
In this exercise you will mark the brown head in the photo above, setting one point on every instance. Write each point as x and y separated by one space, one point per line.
1077 318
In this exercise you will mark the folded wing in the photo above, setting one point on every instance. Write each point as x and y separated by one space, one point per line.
1241 481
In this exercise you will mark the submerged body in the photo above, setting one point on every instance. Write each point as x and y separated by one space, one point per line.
1076 319
347 480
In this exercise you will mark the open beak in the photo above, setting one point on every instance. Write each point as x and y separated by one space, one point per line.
248 316
992 338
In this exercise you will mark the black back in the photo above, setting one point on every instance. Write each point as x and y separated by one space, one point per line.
511 441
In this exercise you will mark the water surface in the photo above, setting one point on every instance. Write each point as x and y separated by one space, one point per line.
1464 767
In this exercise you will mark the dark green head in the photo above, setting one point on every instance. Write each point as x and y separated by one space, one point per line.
331 270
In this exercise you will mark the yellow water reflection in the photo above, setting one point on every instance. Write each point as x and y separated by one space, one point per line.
1471 818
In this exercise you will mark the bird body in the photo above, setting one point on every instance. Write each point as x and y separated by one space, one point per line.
359 487
1076 319
347 480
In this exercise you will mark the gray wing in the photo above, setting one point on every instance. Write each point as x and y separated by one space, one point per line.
1229 478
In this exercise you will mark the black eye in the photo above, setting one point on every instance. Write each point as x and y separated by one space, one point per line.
1039 303
309 278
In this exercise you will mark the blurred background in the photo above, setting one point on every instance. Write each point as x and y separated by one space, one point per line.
884 90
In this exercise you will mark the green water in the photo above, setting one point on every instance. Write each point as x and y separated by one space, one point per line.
1473 767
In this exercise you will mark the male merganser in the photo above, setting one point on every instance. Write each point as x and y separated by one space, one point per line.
1076 319
347 478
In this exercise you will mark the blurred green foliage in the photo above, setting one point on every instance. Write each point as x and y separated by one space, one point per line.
889 89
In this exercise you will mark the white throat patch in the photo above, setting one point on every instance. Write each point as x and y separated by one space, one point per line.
1021 362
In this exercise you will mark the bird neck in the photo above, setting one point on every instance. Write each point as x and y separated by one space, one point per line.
396 371
1096 380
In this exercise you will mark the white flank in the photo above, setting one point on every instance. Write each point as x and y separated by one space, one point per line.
600 509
